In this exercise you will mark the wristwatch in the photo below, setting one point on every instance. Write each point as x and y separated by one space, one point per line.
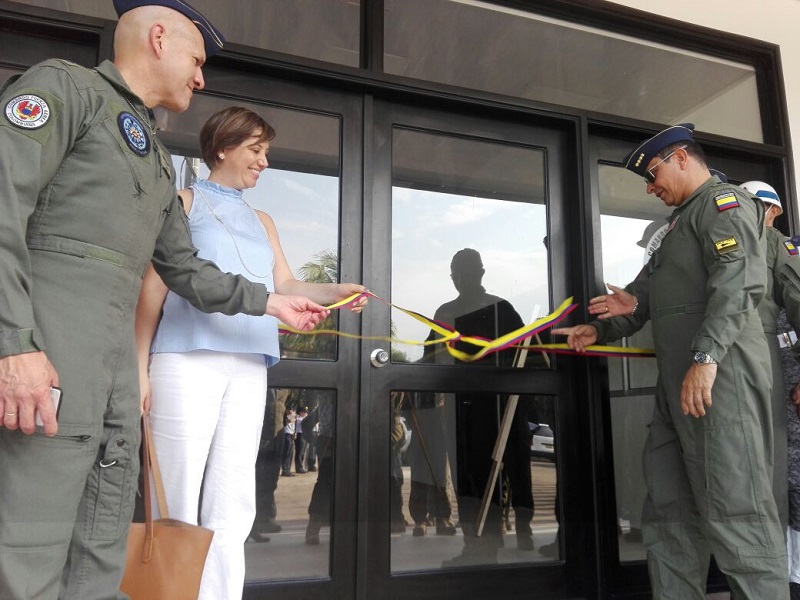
704 358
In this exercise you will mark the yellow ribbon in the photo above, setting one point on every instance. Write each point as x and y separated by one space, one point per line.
449 336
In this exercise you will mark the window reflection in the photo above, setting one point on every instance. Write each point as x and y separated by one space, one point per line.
631 230
299 190
442 449
291 535
318 29
445 41
452 194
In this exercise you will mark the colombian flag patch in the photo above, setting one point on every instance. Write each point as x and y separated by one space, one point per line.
727 245
726 201
791 248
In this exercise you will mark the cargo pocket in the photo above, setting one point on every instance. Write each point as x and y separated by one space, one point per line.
115 488
730 483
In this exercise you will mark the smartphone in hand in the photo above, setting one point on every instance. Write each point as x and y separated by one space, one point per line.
55 398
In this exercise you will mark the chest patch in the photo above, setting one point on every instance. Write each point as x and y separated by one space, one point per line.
28 111
134 133
727 245
726 201
791 248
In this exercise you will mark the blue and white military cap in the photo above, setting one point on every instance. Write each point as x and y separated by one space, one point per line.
212 37
638 160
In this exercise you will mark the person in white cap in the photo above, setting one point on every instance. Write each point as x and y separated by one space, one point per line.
87 194
780 317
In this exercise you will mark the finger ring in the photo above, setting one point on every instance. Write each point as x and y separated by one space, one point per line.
11 414
606 310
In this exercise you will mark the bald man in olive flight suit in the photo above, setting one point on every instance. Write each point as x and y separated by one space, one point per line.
87 192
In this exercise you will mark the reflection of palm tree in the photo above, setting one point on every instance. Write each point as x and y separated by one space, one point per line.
324 268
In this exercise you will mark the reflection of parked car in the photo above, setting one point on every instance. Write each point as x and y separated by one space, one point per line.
543 442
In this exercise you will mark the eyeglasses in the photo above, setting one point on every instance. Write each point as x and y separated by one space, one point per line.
650 175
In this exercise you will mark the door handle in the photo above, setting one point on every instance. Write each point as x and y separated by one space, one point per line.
379 358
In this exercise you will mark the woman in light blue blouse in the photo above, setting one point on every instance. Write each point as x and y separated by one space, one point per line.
208 372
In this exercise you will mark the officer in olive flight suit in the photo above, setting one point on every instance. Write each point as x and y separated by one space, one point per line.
783 293
87 197
707 465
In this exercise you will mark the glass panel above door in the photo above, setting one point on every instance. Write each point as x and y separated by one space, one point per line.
469 221
324 30
481 46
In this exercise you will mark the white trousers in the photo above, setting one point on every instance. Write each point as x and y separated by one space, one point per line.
207 411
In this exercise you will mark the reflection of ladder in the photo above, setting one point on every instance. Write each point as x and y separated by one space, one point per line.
502 435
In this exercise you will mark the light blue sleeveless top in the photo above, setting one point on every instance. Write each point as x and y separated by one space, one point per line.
184 328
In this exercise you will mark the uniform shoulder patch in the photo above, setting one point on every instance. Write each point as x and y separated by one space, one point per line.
791 248
28 111
134 133
727 245
726 201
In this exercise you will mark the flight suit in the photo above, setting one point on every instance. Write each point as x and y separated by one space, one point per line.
87 195
783 292
709 479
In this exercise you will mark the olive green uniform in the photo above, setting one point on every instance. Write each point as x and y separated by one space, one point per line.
709 479
783 292
87 197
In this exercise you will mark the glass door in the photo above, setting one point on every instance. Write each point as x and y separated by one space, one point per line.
462 453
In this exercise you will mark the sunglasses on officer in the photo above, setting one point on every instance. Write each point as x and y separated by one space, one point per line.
650 174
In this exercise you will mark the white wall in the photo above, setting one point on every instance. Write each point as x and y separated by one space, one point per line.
774 21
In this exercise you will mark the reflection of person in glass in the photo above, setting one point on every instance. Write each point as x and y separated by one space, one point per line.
428 501
474 312
208 374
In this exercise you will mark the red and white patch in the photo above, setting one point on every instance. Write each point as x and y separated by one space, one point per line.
28 111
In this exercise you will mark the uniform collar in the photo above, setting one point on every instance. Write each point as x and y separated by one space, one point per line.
711 181
109 71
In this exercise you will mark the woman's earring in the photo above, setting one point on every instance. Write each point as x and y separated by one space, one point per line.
221 156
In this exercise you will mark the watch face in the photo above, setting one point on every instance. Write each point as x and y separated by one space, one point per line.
702 358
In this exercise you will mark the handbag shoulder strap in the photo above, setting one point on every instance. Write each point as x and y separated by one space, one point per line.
150 456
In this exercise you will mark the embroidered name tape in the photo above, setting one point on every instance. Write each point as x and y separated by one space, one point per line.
726 245
726 201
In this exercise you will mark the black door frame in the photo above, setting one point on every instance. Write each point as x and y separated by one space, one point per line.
575 575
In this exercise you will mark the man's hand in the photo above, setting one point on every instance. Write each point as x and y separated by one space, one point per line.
297 312
618 302
578 337
25 381
696 389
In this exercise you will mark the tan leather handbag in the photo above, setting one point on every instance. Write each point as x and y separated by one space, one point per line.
165 557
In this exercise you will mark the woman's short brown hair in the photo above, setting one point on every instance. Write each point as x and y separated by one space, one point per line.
228 128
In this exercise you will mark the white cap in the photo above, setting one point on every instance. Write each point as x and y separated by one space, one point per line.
764 192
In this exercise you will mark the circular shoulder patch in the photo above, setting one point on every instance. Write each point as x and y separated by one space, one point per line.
28 111
134 133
